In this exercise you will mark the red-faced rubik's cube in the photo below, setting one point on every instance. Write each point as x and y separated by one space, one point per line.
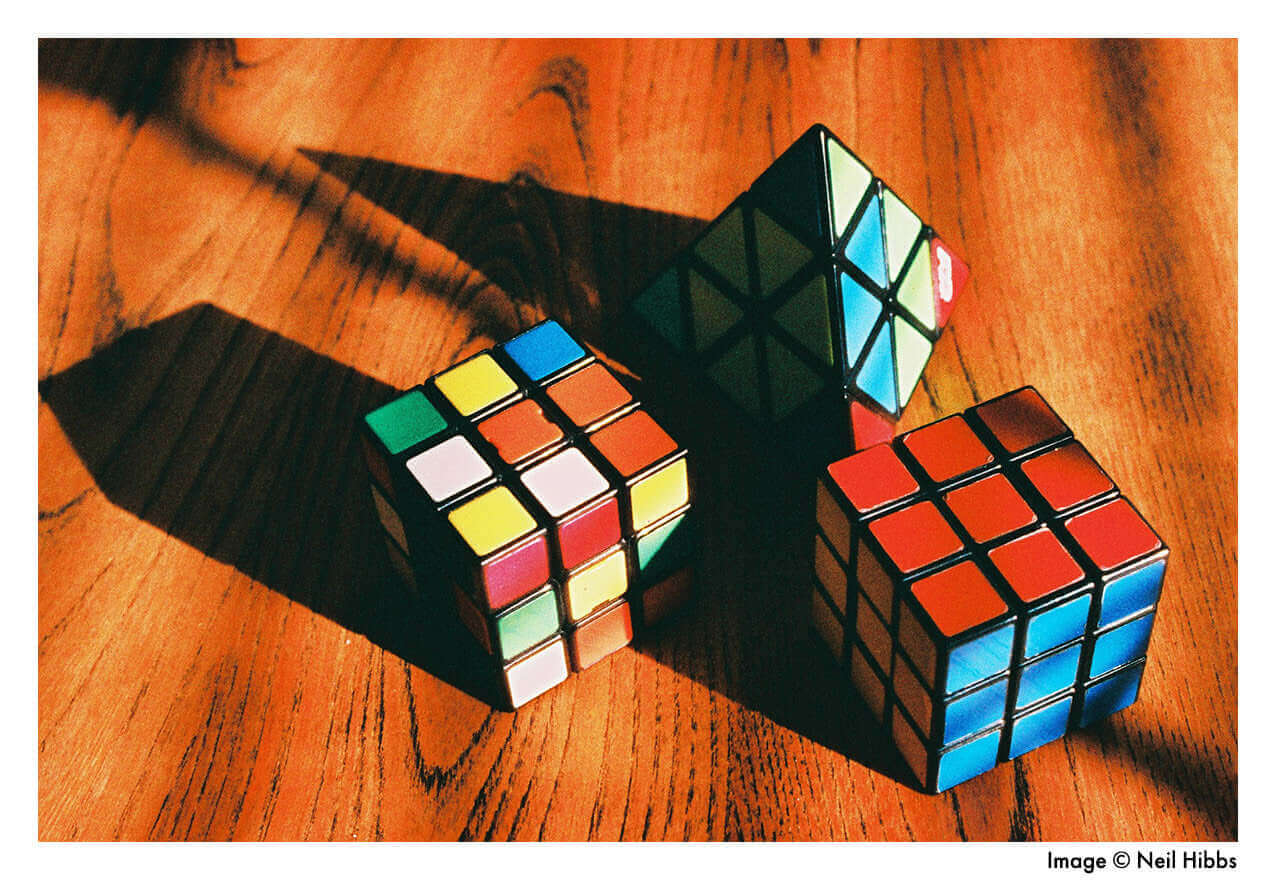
986 584
815 290
530 477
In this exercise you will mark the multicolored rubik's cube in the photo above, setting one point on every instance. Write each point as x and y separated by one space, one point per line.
986 584
555 504
816 289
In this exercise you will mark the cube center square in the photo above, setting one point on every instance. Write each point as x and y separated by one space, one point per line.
816 296
530 478
986 583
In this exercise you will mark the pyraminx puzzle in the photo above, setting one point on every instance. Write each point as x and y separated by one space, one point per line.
530 478
816 290
986 584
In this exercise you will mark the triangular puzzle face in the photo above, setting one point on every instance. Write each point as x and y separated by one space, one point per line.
876 376
780 255
712 314
722 248
865 247
902 229
860 310
848 181
917 291
661 307
792 190
793 383
736 373
912 351
806 317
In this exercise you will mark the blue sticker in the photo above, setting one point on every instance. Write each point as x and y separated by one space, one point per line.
543 350
1040 727
866 248
1132 592
1057 626
1123 644
1111 695
967 760
1048 675
975 711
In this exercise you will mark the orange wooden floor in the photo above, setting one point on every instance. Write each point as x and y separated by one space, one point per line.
244 245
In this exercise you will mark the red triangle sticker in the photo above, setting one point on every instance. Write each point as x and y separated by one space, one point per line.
949 274
867 427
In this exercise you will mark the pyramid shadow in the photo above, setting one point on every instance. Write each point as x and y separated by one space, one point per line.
240 443
574 258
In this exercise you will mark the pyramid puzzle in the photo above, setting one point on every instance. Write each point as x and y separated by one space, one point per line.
526 490
816 289
986 585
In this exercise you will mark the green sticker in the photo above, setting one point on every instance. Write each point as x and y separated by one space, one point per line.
723 249
659 306
912 351
712 314
405 422
806 316
736 373
916 292
527 625
848 179
902 227
780 255
793 383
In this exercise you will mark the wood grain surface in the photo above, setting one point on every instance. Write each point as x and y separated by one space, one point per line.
244 245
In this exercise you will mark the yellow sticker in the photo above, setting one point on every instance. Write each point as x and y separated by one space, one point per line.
491 520
475 384
596 585
661 493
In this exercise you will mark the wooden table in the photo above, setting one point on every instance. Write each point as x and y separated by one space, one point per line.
244 246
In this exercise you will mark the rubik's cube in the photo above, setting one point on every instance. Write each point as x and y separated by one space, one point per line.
816 290
551 500
986 584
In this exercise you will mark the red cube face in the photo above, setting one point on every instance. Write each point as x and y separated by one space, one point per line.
510 576
584 535
604 633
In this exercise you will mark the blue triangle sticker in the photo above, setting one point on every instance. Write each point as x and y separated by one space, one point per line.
876 377
866 248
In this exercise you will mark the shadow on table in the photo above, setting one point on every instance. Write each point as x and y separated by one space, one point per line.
223 434
574 258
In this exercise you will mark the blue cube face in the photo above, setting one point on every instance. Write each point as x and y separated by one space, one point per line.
1120 645
543 350
976 710
1048 675
1056 626
1111 694
1131 593
968 760
1040 726
980 658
